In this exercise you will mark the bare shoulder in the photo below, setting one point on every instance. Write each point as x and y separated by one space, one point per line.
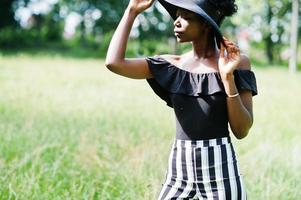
175 59
170 57
244 62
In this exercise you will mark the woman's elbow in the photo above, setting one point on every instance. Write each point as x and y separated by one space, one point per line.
109 63
240 135
109 66
241 132
112 62
112 65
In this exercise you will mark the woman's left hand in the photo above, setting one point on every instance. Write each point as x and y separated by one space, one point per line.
229 60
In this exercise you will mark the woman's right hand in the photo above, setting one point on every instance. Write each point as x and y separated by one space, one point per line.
138 6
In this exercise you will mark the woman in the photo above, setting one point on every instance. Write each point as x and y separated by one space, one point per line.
208 87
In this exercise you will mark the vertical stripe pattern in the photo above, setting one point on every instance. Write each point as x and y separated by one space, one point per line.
203 169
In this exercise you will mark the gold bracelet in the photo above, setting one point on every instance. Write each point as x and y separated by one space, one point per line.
234 95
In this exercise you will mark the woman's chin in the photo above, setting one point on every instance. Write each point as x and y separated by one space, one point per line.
179 40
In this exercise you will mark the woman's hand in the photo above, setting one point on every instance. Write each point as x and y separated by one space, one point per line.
138 6
229 60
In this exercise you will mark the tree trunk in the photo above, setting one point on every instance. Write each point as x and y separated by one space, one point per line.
294 37
6 13
269 46
268 40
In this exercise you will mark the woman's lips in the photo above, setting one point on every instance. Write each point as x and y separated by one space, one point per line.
177 33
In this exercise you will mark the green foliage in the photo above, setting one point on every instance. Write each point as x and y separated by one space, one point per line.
270 19
104 43
147 48
11 37
16 38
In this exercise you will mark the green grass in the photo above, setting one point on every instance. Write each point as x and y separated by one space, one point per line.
71 129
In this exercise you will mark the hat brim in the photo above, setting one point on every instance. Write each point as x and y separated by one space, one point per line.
171 7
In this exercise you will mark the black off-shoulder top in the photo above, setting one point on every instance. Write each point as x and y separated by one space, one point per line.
198 99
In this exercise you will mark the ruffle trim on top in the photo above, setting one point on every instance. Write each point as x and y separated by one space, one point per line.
170 79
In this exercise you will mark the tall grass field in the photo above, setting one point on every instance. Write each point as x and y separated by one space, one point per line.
71 129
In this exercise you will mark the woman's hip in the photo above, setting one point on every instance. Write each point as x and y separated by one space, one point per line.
204 169
203 160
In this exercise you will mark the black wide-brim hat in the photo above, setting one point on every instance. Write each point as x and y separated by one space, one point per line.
202 8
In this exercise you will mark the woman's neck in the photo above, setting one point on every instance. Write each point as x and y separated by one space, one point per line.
203 48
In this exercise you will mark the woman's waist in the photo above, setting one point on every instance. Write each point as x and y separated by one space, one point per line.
199 143
207 134
198 160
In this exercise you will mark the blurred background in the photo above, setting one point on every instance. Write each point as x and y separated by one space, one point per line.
71 129
84 28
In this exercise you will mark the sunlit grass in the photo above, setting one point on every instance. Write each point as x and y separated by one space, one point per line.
70 129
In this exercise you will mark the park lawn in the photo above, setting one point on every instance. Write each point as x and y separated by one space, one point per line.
71 129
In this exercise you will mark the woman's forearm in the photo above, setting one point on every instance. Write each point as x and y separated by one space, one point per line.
240 118
118 44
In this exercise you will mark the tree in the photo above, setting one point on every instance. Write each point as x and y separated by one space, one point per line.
270 20
7 13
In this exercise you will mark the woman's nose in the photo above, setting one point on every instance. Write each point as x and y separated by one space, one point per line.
177 22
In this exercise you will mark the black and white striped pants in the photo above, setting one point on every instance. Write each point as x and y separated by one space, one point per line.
203 169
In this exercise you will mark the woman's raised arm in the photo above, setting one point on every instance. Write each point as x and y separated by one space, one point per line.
116 62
